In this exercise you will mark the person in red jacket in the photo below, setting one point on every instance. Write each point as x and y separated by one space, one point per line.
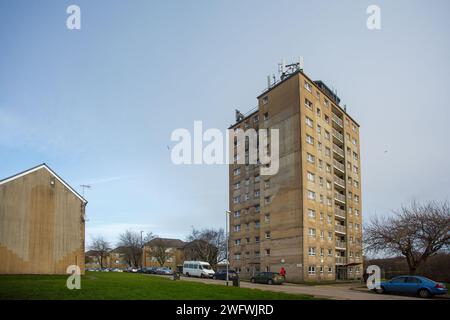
283 272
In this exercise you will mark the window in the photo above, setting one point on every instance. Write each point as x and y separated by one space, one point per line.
329 219
267 217
257 178
319 129
237 199
321 216
237 214
328 152
257 208
327 135
309 122
354 141
312 251
308 104
266 200
311 195
319 146
330 236
267 234
309 139
310 158
355 155
321 234
267 252
257 254
247 197
321 252
267 184
257 239
356 212
312 232
330 252
308 86
310 176
356 199
355 169
237 257
237 242
237 171
266 116
356 184
318 112
325 102
311 270
257 194
256 119
265 100
237 228
321 269
237 186
247 239
311 213
330 269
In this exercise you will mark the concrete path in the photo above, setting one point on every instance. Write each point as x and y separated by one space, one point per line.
335 292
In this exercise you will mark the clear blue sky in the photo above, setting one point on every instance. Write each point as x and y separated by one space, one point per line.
98 105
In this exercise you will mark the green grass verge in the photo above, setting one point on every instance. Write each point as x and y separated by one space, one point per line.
126 286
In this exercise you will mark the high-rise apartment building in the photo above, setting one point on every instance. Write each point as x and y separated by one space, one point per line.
307 217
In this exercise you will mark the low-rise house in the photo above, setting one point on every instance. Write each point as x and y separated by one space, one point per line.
163 252
119 258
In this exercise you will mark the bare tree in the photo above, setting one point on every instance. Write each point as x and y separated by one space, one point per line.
417 232
207 245
160 251
132 243
100 247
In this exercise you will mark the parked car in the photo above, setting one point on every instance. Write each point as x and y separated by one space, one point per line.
164 271
198 269
116 270
222 275
419 285
104 270
131 269
149 270
267 277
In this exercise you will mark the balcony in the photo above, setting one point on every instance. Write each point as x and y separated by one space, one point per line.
341 260
339 197
338 212
339 166
338 150
340 182
338 135
341 244
339 228
338 120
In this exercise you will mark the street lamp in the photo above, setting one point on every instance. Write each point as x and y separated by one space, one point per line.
142 253
227 238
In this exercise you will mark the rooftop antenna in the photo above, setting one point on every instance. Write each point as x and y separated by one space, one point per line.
268 82
83 187
300 63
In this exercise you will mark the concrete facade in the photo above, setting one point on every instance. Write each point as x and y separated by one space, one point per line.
307 217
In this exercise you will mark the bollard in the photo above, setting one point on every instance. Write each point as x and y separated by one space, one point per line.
236 282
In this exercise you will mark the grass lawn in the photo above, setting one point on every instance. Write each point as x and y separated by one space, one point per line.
126 286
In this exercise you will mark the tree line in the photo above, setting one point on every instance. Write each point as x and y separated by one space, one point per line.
207 244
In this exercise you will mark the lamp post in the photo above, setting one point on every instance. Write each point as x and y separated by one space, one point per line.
227 239
142 253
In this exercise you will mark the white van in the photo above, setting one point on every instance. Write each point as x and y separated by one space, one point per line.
198 269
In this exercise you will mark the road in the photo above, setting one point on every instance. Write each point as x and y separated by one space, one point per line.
335 292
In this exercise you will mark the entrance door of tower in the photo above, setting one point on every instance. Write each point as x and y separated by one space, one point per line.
341 273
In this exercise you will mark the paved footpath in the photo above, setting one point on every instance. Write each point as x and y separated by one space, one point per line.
336 292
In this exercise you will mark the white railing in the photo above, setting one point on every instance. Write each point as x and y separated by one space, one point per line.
339 181
337 120
339 165
339 212
338 150
339 196
338 135
341 260
339 228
